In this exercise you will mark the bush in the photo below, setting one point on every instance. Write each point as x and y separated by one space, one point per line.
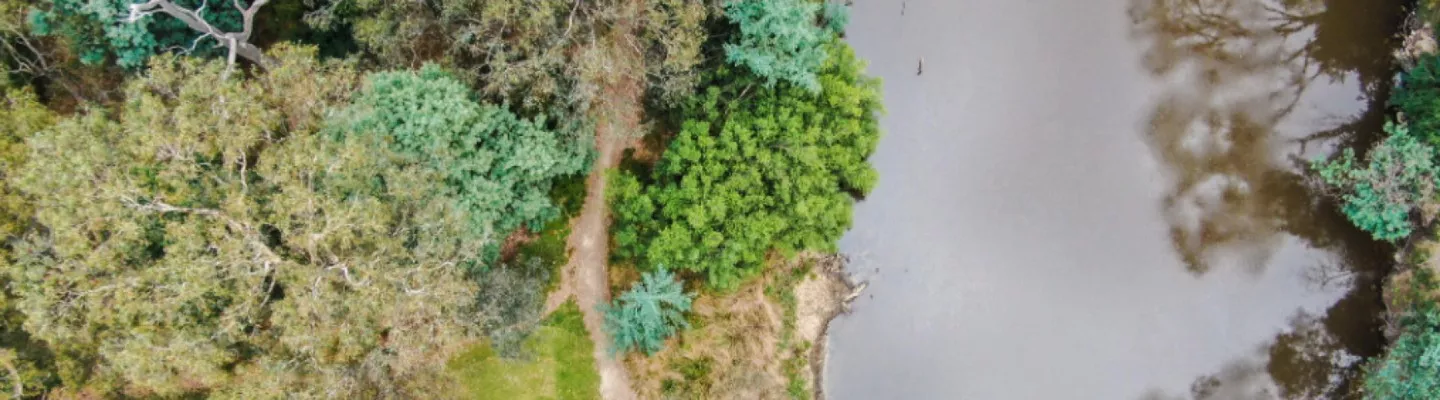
752 170
1380 195
652 311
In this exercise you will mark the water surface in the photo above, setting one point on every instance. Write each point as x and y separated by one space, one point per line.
1106 199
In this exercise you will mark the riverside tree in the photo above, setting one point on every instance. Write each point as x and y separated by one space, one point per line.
207 240
780 40
1383 192
754 169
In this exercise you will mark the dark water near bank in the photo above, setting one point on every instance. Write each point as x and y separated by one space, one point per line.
1105 199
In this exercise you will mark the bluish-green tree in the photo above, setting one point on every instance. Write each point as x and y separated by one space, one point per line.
1381 192
837 16
752 170
650 312
778 40
500 167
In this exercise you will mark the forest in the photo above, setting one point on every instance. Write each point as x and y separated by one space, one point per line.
375 199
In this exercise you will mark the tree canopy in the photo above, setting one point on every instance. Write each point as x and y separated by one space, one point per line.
100 30
1382 192
754 169
498 166
207 239
537 55
780 40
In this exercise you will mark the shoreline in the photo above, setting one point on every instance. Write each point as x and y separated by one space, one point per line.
825 294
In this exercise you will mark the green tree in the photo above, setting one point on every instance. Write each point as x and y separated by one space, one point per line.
754 169
208 241
778 40
100 30
1381 193
500 167
650 312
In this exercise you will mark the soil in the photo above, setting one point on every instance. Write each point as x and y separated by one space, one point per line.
825 294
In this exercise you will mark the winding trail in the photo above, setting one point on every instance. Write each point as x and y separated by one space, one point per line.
618 115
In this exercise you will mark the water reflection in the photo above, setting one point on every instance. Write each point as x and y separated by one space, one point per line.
1306 361
1235 76
1232 71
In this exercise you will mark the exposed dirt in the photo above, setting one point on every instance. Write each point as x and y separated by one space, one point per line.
825 294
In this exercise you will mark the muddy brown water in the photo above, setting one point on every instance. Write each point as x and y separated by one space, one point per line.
1106 199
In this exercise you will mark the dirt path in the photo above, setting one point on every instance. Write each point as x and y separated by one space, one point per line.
618 115
585 276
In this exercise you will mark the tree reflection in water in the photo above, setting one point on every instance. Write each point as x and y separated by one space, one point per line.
1308 361
1232 72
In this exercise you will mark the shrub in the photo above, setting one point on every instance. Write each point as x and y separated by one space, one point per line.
1381 193
647 314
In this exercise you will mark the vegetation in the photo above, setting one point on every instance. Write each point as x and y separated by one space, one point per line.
192 207
101 30
778 40
1397 177
741 344
1409 369
238 252
650 312
754 169
29 362
498 166
1418 99
545 56
557 365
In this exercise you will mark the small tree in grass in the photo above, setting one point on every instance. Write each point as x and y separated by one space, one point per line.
650 312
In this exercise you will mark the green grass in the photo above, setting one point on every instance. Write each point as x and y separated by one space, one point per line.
561 364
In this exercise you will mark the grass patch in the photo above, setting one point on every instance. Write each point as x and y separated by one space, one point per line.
561 364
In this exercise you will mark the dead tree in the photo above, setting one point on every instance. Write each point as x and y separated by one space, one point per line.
238 43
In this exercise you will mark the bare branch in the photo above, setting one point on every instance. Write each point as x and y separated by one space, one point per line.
238 43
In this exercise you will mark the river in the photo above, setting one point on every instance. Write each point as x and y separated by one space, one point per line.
1106 199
